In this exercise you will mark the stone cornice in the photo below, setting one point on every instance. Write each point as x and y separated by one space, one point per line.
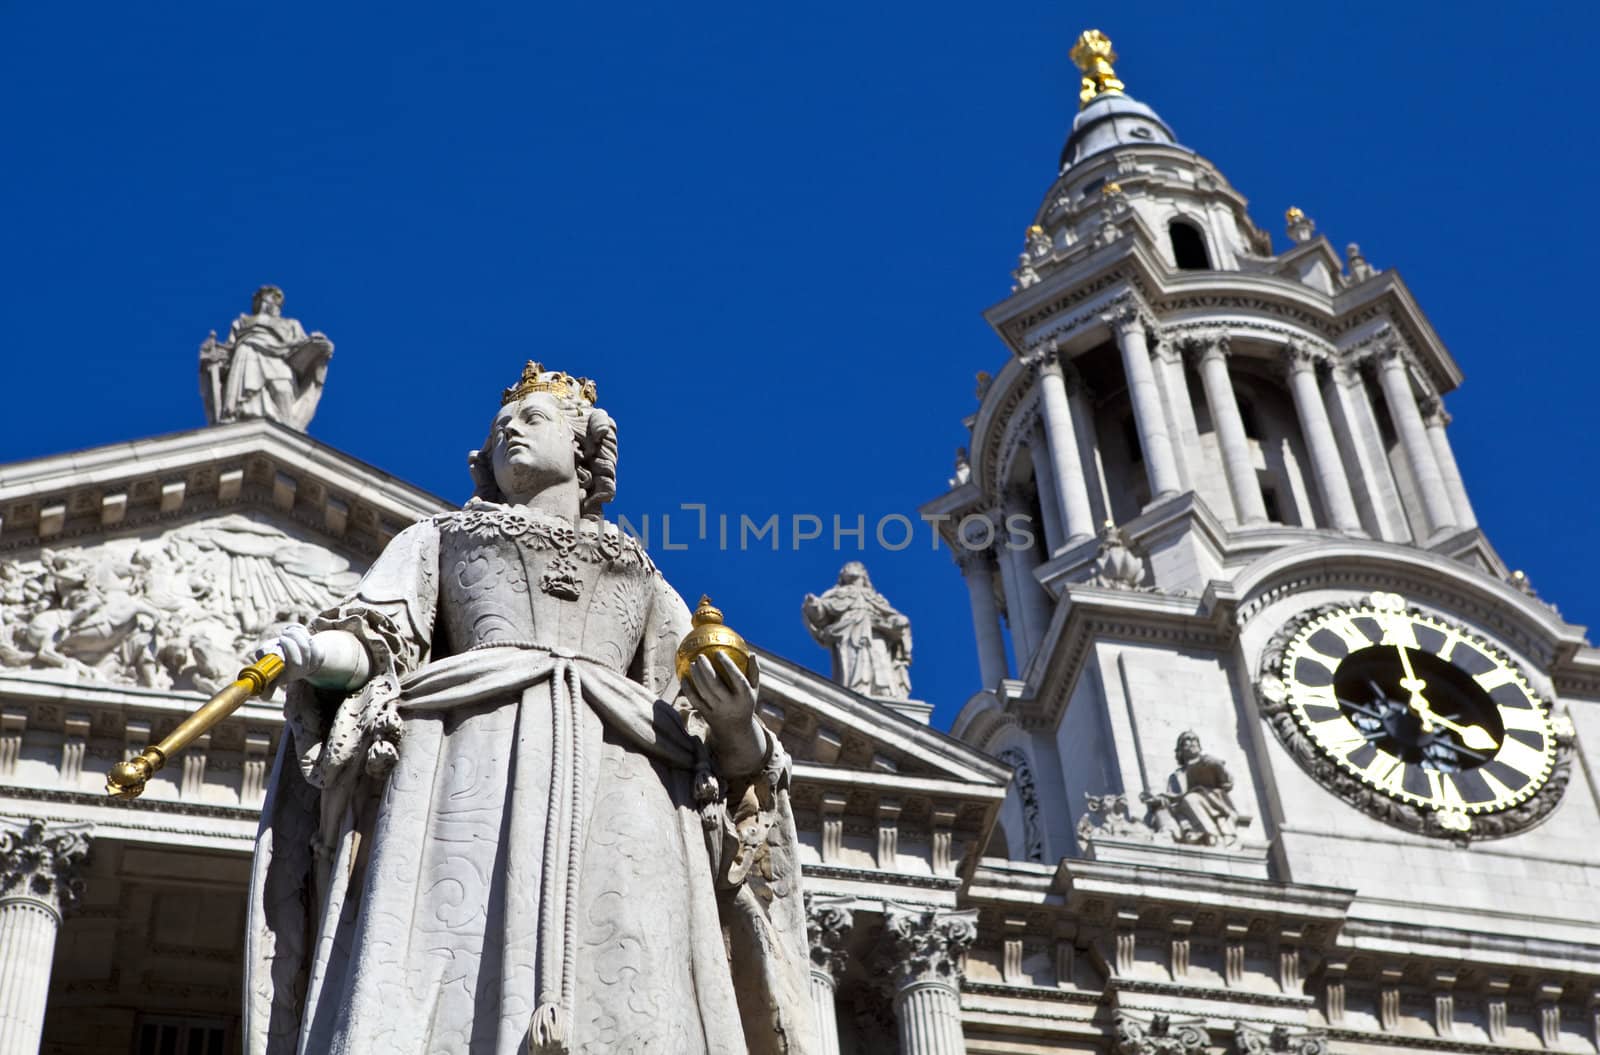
125 487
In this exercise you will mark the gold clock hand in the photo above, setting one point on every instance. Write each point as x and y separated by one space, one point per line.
1474 736
1414 685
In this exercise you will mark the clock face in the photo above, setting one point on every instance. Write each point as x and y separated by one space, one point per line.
1418 708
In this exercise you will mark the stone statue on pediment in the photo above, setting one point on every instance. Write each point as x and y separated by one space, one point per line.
869 640
268 367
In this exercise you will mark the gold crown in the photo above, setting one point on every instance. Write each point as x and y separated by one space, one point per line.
558 383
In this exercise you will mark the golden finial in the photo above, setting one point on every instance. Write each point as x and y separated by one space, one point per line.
1300 226
558 383
1094 57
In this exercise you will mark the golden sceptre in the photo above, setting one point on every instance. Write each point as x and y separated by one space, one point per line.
127 779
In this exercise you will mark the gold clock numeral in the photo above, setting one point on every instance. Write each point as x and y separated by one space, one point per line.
1443 791
1492 679
1314 695
1398 629
1447 647
1522 718
1521 757
1339 736
1498 792
1387 771
1349 633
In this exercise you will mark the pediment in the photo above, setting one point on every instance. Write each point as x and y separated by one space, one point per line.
826 727
158 564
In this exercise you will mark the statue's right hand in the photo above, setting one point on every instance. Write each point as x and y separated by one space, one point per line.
298 648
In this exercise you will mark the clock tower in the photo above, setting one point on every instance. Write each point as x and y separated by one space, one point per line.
1254 631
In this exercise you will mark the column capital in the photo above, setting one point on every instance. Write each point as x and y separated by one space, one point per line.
1125 314
1433 412
828 923
1300 357
1201 344
42 862
926 946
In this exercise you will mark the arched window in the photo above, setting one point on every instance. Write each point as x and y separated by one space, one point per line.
1188 246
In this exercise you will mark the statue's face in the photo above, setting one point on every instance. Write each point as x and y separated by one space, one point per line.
531 447
1188 748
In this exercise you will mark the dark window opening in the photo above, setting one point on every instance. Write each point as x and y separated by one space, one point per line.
1188 246
1269 499
1247 415
180 1036
1130 436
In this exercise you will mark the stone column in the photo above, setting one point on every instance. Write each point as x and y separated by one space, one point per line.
1237 465
1149 416
1332 482
38 880
1078 398
1025 598
1435 418
1072 491
923 952
828 928
1044 478
1395 381
977 567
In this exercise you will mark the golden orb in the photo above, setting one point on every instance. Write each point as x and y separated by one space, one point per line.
709 636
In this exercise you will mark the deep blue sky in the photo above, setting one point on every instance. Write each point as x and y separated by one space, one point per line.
768 232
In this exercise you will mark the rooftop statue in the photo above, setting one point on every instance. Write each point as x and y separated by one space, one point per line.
269 367
869 640
499 822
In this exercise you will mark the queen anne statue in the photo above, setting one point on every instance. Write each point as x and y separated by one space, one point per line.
498 822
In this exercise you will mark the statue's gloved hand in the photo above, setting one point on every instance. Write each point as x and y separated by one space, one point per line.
728 705
331 659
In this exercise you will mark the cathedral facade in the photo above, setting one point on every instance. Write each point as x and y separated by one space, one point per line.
1272 752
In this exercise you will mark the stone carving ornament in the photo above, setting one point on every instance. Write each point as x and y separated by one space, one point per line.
172 612
1028 795
1159 1035
927 945
499 822
268 367
870 642
42 862
1279 1040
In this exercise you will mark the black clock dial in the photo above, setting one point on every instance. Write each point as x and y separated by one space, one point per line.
1370 685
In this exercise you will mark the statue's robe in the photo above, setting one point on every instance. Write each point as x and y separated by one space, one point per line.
508 830
850 621
267 375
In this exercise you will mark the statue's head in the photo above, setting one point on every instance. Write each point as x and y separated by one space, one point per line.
267 301
1188 747
854 572
548 431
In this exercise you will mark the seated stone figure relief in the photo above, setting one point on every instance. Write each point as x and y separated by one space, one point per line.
1196 806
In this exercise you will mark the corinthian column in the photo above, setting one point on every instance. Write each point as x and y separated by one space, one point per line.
1237 465
924 950
1395 380
977 567
1332 482
38 880
1148 415
828 928
1435 418
1069 487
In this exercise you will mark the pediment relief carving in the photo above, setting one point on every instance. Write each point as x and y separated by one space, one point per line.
174 609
